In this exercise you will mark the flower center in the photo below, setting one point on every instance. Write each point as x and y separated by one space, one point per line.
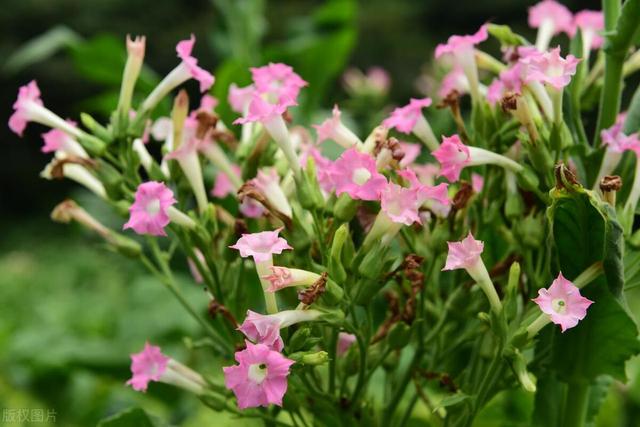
559 305
257 372
153 207
361 176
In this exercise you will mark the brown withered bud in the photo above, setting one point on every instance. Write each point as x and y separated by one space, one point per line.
240 227
216 308
564 174
206 121
393 145
509 102
609 185
57 168
452 100
287 116
462 197
250 190
309 295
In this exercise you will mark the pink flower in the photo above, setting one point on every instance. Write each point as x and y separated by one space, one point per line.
411 153
551 68
458 44
149 210
261 246
263 330
260 378
223 186
453 156
464 254
323 165
208 103
404 119
355 173
591 23
615 139
438 193
400 204
58 140
345 341
276 88
279 79
268 183
563 303
28 94
454 80
251 209
333 129
184 49
148 365
477 182
283 277
510 81
552 12
240 97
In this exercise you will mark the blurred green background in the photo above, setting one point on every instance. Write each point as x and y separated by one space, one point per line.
72 312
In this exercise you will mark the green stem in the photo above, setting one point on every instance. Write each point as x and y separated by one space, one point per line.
333 347
575 407
614 62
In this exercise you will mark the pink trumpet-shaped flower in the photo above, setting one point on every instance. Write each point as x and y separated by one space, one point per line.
345 340
260 378
404 119
411 153
263 108
551 68
438 193
223 186
283 277
454 80
464 254
510 81
553 12
28 94
355 173
279 79
453 156
149 210
146 366
240 97
184 49
591 23
262 329
400 204
208 103
333 129
323 165
57 140
563 303
458 44
251 209
261 246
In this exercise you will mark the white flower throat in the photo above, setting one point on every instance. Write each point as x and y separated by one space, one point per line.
559 305
153 207
257 372
361 176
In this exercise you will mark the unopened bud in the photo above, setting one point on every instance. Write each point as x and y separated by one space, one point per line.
610 185
310 358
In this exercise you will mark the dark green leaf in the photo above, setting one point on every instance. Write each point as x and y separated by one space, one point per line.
632 122
627 27
134 417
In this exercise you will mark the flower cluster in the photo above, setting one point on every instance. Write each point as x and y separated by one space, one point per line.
342 259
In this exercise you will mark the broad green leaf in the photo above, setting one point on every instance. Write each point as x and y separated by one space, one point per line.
547 410
585 231
134 417
506 36
631 268
627 28
41 47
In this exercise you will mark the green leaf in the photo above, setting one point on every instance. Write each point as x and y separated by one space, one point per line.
585 231
134 417
452 400
547 410
506 36
41 47
627 28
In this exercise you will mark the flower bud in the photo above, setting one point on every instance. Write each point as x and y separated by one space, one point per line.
310 358
345 208
299 339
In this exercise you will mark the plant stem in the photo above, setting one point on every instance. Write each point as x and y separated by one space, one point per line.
333 347
614 62
575 407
